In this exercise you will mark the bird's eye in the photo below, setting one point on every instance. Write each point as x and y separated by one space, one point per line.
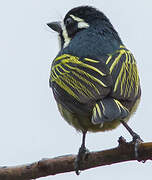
69 21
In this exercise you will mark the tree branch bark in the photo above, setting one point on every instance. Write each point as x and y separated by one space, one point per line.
45 167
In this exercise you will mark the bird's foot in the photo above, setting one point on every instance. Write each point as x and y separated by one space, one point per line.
82 155
136 141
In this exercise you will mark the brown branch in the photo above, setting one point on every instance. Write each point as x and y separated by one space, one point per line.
45 167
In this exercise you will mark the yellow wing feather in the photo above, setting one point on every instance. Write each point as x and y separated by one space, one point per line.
67 71
127 80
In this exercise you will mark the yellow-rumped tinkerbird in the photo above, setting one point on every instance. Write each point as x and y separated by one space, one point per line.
94 77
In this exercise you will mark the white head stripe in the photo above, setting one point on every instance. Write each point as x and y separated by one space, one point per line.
82 25
81 22
76 18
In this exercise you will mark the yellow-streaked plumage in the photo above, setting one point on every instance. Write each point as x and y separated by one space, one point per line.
73 63
128 74
126 83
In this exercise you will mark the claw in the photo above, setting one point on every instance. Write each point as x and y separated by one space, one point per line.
137 141
136 138
82 155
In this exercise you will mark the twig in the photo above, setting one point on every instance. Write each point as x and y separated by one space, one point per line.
45 167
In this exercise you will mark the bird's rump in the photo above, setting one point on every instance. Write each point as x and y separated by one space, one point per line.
107 110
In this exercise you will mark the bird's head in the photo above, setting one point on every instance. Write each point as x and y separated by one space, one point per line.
79 19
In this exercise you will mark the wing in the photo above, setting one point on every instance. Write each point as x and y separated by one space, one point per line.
83 79
125 89
123 69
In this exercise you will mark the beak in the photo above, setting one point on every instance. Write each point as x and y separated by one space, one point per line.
56 26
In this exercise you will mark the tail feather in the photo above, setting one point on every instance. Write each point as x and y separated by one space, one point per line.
107 110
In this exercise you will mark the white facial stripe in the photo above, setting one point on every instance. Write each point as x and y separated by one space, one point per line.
65 36
81 22
82 25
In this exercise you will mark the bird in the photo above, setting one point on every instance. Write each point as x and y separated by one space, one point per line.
94 77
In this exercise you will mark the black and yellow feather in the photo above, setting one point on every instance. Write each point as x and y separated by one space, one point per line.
95 88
